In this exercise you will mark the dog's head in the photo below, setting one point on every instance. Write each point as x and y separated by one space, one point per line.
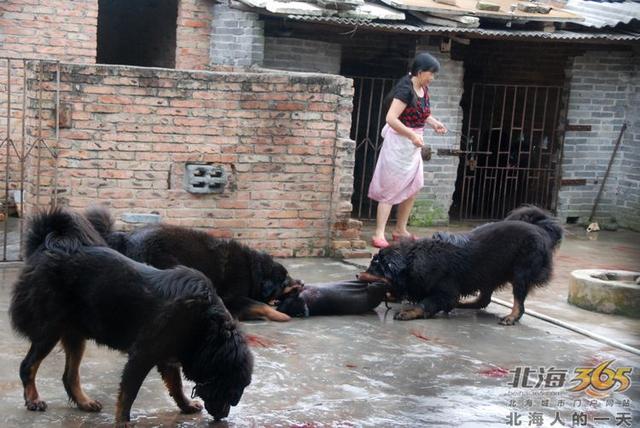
273 280
294 306
388 266
222 369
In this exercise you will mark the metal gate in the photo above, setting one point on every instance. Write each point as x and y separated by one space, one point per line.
27 142
367 121
511 150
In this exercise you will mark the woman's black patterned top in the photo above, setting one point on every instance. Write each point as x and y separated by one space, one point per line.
417 111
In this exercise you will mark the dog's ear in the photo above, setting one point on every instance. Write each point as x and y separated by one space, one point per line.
393 264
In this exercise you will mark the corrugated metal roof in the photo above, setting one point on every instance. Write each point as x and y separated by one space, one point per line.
507 33
599 14
468 7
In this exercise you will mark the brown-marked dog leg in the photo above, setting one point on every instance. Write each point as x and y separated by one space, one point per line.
134 373
261 310
443 300
516 313
410 314
74 350
170 373
29 368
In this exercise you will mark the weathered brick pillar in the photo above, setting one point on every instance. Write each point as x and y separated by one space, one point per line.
193 34
237 37
345 239
440 172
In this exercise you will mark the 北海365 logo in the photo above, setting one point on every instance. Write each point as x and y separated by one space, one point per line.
597 381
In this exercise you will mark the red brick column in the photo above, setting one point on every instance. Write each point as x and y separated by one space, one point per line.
193 34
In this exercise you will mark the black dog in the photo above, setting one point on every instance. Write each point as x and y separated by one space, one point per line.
336 298
73 287
435 273
247 280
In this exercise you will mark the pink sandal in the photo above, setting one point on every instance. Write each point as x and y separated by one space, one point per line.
380 243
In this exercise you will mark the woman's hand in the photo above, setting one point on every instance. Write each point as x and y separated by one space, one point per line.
417 139
437 126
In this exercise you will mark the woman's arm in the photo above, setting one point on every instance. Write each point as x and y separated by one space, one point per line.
395 110
437 125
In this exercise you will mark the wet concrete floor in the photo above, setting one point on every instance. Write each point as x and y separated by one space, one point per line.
613 250
360 371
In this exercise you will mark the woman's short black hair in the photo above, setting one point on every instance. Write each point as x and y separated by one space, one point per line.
424 62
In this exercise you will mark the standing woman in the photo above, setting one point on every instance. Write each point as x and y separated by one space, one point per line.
398 175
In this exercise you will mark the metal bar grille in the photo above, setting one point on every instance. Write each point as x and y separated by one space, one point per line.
367 121
511 149
28 142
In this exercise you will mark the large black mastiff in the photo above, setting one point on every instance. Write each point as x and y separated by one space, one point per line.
73 288
248 281
435 273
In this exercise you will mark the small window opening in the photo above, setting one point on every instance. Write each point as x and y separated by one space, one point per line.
137 32
572 220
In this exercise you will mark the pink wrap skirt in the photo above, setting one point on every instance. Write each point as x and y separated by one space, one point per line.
398 174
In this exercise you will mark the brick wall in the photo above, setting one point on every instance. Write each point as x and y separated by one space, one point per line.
193 34
54 29
628 207
237 37
287 53
440 172
49 29
603 94
282 139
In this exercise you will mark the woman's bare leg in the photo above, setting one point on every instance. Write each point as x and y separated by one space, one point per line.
382 215
404 211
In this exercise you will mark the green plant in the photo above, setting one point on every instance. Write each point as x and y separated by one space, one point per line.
426 213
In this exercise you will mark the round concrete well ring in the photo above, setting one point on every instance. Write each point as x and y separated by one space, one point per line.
606 291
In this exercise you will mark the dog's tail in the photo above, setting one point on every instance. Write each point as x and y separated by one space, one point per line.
58 230
101 220
541 218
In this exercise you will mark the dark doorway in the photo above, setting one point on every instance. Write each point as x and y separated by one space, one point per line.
511 140
137 32
367 120
374 64
511 150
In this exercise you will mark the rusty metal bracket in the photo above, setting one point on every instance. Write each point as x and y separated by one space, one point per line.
579 128
573 182
458 152
64 115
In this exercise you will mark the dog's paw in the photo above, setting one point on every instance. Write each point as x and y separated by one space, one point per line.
409 314
90 406
192 406
274 315
508 320
36 405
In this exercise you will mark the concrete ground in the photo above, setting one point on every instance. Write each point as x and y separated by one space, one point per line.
619 250
371 371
